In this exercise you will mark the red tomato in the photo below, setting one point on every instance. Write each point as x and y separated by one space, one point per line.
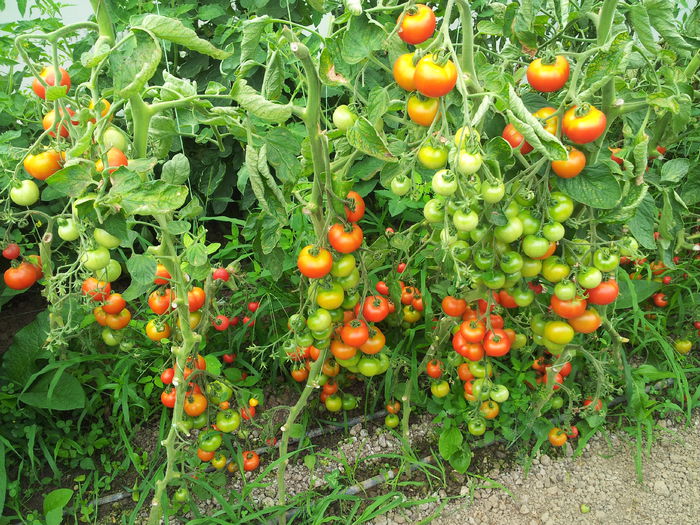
404 70
515 139
496 343
345 241
48 74
548 77
605 293
417 24
435 79
583 125
572 166
356 210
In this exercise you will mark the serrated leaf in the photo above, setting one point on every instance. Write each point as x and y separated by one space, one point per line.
154 197
674 170
595 186
532 129
461 459
365 138
642 27
642 223
377 104
141 268
135 62
71 181
251 162
264 170
252 31
606 64
661 16
327 72
450 441
360 40
252 101
176 170
175 31
274 77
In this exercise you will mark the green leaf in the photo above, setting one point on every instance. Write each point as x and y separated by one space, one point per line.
252 31
532 129
97 53
691 191
672 171
310 461
662 18
154 197
252 101
274 77
57 499
642 223
273 263
365 138
72 181
141 268
19 361
55 390
461 459
176 170
135 62
213 364
377 104
523 25
327 71
361 39
642 27
175 31
606 64
450 441
635 291
595 186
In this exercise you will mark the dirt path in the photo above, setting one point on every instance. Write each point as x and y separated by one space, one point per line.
600 487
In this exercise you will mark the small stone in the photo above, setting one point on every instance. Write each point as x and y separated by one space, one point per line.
661 488
545 460
524 509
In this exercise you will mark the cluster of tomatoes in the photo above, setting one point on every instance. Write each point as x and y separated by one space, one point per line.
430 76
45 163
558 436
21 275
580 124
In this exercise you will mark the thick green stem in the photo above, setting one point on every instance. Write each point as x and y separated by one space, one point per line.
171 261
465 14
692 66
607 15
104 20
141 116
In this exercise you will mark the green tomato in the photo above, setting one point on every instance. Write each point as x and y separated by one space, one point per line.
555 270
484 259
511 262
113 137
512 279
493 192
510 231
434 211
109 273
499 393
391 420
343 118
343 266
628 246
460 250
319 320
520 342
531 267
209 440
334 403
534 246
304 339
400 185
565 290
186 425
349 402
228 420
331 295
531 224
218 391
352 362
512 210
440 388
465 219
553 231
476 427
557 402
444 183
537 323
480 369
296 323
560 206
68 229
369 366
322 334
106 239
336 315
384 362
605 260
579 251
479 233
481 388
468 163
522 296
200 421
554 348
432 158
589 277
25 193
95 259
112 337
525 197
494 279
351 299
181 495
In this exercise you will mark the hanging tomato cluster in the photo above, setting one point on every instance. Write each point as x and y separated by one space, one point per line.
432 75
21 275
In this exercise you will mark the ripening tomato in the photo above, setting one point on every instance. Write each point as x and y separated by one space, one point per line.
586 323
155 331
453 307
42 165
557 437
550 123
404 70
583 124
489 409
345 241
48 74
660 300
160 301
374 343
104 108
548 77
432 158
314 262
97 290
162 275
422 110
356 210
49 122
435 79
114 303
434 368
21 277
195 404
115 158
11 251
119 320
496 343
375 308
417 24
515 139
195 299
355 333
572 166
568 309
605 293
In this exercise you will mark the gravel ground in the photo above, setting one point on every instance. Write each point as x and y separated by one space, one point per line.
603 479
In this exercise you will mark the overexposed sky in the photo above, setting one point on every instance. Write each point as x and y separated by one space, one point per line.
72 11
